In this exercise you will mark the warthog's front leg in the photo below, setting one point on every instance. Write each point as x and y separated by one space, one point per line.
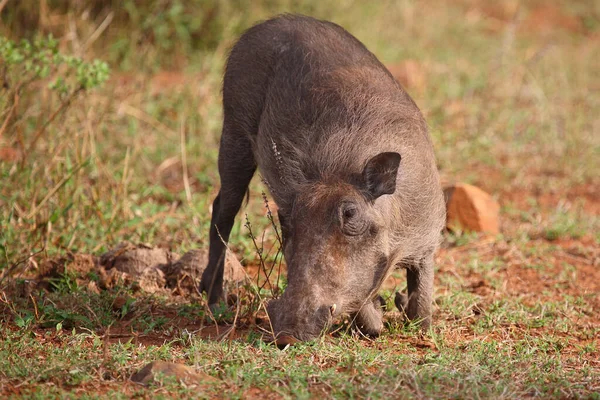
369 319
417 305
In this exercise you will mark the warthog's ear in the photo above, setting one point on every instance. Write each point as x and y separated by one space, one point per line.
379 175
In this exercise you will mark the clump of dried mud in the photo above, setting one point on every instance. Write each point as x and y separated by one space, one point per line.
142 267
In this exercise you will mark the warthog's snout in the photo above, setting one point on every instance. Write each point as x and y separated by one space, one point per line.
302 321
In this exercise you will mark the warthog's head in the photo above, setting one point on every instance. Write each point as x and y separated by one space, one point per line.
336 248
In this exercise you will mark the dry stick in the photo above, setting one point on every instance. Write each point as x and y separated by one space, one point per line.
96 34
265 255
42 129
10 112
9 116
186 180
43 15
2 4
279 240
55 189
35 308
246 273
229 333
270 323
268 276
7 271
142 116
125 172
278 274
16 99
105 351
263 266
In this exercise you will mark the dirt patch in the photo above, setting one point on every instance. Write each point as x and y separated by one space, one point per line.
587 195
551 271
145 268
255 393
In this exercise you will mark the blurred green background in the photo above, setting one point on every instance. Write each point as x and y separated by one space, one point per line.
509 89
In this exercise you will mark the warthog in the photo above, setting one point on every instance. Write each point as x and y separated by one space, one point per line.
347 157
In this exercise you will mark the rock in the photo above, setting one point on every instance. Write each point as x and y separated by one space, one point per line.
152 269
471 208
181 372
134 259
78 264
185 273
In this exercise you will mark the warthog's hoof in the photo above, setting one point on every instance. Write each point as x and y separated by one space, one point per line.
401 301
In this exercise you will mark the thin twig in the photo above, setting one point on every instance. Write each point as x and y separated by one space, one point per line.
96 34
10 112
7 271
35 308
144 117
186 180
2 4
258 250
55 189
42 129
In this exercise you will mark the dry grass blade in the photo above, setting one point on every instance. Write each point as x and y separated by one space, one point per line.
55 189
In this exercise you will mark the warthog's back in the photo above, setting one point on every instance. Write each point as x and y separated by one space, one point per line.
322 105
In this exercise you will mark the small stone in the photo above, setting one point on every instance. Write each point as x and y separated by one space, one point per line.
469 207
181 372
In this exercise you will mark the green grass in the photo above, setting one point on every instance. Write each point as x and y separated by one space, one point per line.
500 357
511 107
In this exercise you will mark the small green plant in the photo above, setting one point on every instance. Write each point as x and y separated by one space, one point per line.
25 319
221 312
562 225
26 65
458 237
27 61
52 316
66 282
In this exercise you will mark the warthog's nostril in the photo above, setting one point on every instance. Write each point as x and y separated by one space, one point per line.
332 309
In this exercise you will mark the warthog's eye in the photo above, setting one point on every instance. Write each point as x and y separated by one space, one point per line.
352 220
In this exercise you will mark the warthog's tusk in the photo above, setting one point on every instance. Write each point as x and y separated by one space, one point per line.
332 309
